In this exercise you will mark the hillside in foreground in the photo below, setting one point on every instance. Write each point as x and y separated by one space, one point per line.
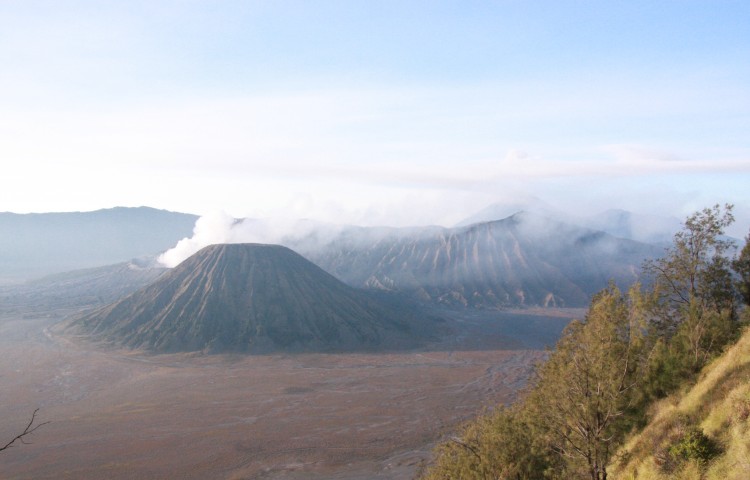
702 433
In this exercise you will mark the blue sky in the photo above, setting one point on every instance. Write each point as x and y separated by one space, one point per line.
374 112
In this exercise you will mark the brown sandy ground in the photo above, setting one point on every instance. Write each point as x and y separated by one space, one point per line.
122 415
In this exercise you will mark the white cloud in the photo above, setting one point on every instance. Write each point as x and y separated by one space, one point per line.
372 156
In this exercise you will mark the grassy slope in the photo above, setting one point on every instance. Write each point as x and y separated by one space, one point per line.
719 404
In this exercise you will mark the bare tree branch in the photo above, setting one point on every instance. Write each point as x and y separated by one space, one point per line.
468 447
21 437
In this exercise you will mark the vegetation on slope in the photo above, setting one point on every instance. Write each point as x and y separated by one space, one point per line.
703 433
598 387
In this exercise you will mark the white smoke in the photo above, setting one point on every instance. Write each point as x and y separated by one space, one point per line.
209 230
219 227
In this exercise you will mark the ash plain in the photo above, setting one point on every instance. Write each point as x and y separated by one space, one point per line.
120 414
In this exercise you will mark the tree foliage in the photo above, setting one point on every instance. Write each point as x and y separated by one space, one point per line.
741 266
579 406
695 269
696 314
585 393
496 446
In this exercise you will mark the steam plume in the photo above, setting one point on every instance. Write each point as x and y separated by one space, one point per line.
218 227
209 229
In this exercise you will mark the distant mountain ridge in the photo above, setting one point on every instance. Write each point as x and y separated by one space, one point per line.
621 223
250 298
522 260
527 259
502 210
37 244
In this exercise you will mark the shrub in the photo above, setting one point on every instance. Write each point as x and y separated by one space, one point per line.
694 445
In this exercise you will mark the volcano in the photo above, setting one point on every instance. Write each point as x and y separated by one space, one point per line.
251 298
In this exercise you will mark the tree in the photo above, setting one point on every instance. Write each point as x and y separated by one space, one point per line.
586 392
741 266
697 312
498 445
703 333
21 437
576 410
696 268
